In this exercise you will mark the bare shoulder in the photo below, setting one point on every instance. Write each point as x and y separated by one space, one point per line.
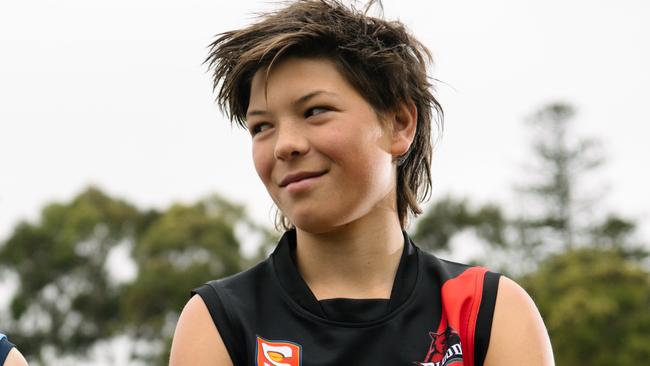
196 340
518 335
15 358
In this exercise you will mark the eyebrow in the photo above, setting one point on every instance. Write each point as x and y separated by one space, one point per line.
302 100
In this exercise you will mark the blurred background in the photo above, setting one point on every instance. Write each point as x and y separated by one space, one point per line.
122 186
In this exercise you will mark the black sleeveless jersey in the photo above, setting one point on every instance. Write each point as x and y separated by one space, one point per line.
5 348
439 314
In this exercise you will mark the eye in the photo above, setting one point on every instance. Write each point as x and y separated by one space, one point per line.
257 128
316 110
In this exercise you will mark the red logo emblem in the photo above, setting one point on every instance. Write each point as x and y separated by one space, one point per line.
278 353
444 350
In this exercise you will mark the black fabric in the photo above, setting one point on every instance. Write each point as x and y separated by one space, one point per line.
5 348
354 310
484 319
272 302
291 281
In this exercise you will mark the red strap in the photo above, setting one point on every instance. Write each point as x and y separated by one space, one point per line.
461 300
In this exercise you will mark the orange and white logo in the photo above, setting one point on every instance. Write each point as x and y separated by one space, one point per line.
277 353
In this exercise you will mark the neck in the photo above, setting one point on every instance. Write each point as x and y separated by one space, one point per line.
358 260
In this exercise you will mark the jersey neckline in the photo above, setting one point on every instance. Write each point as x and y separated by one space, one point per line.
286 271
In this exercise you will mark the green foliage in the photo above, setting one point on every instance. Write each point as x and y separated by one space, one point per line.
67 301
64 299
186 246
450 216
595 304
613 232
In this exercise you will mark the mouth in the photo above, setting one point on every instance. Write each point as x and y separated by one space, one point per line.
294 178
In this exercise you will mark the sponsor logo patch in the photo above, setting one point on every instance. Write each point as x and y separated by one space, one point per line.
278 353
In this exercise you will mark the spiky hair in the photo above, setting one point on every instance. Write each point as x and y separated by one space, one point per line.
379 58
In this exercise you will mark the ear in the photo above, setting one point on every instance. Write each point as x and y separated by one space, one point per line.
404 126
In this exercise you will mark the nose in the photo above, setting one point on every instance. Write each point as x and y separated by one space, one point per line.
290 143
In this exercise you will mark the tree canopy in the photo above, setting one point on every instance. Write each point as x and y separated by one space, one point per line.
67 300
595 304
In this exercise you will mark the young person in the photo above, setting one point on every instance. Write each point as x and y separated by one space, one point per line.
9 354
339 109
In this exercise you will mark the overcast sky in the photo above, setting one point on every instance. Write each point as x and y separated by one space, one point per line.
113 93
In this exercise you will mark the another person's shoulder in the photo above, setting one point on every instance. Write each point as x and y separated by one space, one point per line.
15 358
9 354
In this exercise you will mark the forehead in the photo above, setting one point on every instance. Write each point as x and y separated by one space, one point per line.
290 80
296 76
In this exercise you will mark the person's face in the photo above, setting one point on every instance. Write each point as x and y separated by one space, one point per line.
313 121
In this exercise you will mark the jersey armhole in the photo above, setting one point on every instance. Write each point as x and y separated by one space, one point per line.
5 348
221 319
485 315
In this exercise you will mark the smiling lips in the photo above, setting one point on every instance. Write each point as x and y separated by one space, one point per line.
292 178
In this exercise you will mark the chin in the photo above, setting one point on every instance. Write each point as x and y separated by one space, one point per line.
319 224
313 223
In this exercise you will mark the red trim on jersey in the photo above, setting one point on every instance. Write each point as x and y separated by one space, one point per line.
461 300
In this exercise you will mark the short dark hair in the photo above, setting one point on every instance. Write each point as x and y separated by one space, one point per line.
379 58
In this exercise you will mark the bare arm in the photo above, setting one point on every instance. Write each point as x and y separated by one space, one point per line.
518 335
15 358
196 340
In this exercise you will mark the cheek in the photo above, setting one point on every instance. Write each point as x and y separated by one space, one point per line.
361 154
263 161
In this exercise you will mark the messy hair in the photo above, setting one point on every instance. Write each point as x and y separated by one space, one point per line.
382 61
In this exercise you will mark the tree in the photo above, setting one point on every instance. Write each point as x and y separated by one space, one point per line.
65 300
450 216
182 248
595 305
560 164
557 213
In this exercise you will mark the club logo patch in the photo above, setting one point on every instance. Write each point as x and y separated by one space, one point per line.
444 350
278 353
